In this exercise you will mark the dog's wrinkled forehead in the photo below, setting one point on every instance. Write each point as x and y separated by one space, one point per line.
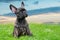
21 9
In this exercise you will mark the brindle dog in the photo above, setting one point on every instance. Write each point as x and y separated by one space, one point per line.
21 26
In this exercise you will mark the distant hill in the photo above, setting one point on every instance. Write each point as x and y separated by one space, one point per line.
38 11
45 10
9 14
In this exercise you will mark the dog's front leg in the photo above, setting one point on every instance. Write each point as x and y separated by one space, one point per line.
28 32
15 32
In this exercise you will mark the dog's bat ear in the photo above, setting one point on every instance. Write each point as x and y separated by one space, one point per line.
13 8
22 4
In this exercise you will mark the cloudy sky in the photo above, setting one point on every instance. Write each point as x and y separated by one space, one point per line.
29 4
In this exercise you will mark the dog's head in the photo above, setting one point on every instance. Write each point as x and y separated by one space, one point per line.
20 12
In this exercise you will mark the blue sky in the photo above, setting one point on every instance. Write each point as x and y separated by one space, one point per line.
29 5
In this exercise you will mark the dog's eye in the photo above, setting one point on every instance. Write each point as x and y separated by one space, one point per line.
23 9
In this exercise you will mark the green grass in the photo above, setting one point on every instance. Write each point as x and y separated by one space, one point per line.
40 32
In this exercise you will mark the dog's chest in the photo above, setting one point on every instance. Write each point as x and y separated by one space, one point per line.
21 24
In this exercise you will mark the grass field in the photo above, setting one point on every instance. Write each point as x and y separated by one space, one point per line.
40 32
